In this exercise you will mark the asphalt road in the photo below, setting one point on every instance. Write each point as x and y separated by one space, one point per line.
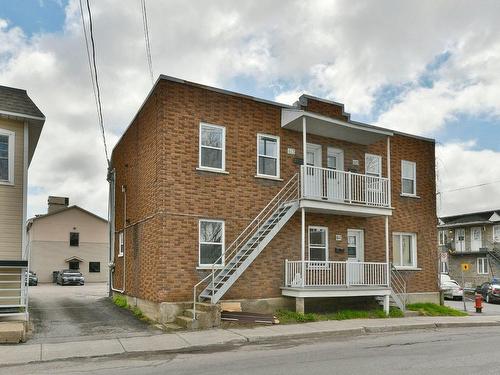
446 351
69 313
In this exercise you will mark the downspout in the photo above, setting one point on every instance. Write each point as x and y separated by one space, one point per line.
112 183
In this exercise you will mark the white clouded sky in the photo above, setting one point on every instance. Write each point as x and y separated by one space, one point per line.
429 68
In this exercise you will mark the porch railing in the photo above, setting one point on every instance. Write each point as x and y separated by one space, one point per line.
334 274
346 187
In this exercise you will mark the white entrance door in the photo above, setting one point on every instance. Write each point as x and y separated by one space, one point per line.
355 257
475 238
373 171
335 181
313 177
460 239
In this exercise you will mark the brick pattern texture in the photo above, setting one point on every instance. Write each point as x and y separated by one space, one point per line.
166 196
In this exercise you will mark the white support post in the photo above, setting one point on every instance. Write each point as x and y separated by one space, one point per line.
303 245
386 305
304 141
389 170
387 251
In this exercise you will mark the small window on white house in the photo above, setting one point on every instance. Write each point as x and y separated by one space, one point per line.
121 244
373 165
482 266
6 156
404 250
212 147
268 155
408 177
443 267
496 233
211 242
443 237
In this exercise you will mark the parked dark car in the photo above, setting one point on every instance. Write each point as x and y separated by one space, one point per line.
490 291
70 277
31 278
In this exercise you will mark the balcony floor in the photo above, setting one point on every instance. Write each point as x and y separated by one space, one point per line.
341 208
336 291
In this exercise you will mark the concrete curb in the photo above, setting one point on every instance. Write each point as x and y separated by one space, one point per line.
188 341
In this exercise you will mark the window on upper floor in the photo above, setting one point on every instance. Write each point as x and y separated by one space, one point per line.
443 237
404 250
212 152
74 239
496 233
6 156
408 177
268 155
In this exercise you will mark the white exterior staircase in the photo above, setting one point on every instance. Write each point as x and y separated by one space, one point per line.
250 243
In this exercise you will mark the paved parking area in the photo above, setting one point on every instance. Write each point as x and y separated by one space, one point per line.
71 313
488 308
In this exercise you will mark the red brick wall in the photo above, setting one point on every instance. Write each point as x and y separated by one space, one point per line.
157 160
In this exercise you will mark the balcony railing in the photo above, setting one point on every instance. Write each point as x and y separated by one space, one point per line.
344 187
301 274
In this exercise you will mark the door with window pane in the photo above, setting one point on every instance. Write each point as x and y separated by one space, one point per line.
313 176
475 238
355 255
460 239
373 171
335 181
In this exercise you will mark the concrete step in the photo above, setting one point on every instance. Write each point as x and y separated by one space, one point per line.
186 322
171 327
12 332
202 306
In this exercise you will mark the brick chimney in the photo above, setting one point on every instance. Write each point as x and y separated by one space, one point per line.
57 204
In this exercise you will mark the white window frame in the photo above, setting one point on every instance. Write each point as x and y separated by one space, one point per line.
414 166
379 174
11 155
223 248
441 236
496 239
121 244
413 249
223 148
484 268
444 267
309 242
277 138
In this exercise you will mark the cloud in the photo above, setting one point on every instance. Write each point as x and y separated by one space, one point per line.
461 165
340 50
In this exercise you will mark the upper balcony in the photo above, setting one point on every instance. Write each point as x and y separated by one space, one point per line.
344 193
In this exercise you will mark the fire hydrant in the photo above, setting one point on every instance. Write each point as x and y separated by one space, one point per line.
478 303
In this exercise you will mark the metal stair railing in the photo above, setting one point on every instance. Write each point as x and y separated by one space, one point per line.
398 288
289 193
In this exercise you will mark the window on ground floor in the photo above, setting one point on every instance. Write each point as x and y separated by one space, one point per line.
211 242
74 265
318 243
404 250
94 266
482 266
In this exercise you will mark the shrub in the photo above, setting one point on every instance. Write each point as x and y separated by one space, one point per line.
120 301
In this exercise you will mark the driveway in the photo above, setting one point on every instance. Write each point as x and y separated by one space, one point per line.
65 313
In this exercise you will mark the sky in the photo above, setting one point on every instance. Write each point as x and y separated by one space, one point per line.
422 67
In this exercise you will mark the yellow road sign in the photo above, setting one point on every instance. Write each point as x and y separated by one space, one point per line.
465 266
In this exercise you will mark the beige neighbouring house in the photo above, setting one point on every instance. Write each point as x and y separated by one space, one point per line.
68 237
21 123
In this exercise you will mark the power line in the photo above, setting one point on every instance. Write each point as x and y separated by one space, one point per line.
146 39
469 187
94 74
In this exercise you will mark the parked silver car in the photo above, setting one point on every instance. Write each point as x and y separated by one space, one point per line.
70 277
452 290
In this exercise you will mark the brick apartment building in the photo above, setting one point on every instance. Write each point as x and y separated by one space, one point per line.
211 187
473 239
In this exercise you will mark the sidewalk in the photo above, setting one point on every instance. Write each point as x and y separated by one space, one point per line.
189 340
